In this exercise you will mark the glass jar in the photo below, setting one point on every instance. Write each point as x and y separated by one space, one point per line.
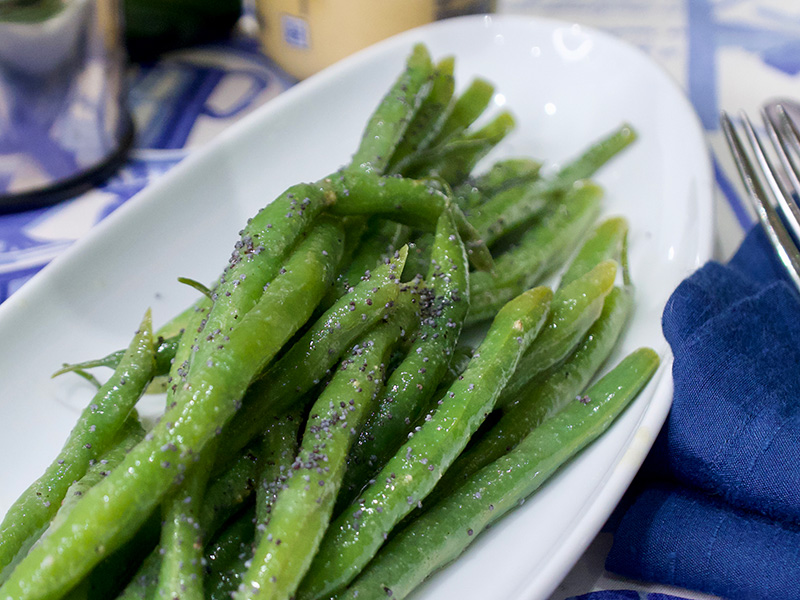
305 36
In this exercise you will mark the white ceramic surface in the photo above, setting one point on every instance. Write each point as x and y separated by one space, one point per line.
567 85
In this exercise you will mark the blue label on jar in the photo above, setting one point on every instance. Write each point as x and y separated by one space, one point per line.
295 31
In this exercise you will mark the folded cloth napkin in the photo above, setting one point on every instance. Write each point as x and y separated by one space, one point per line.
717 507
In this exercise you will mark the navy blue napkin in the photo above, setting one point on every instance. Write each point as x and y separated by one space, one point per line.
716 507
623 595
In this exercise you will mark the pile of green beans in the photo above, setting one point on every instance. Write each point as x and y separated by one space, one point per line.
377 374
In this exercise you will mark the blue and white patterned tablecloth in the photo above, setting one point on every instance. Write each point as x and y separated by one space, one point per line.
178 104
727 54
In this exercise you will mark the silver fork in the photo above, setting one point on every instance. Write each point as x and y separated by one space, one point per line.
770 183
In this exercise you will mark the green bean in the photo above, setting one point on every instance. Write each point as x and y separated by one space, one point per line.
507 172
459 360
415 203
280 449
503 174
381 240
457 118
430 118
419 256
113 510
607 240
454 161
390 120
223 497
230 488
130 434
574 309
226 556
597 155
184 351
178 324
181 574
506 212
469 105
303 507
93 434
163 355
447 529
256 260
306 363
542 249
544 395
414 381
355 536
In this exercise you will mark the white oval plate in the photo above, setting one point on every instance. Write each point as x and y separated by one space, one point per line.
567 85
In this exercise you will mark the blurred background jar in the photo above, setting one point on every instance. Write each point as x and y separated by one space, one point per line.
305 36
153 27
64 123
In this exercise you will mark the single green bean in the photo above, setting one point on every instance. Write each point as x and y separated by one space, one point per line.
114 509
607 240
280 449
414 381
355 536
441 534
303 507
179 366
413 202
469 105
92 435
596 155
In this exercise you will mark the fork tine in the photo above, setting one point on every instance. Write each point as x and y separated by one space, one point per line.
793 136
783 135
776 232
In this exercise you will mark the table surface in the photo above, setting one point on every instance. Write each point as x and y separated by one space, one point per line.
726 54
